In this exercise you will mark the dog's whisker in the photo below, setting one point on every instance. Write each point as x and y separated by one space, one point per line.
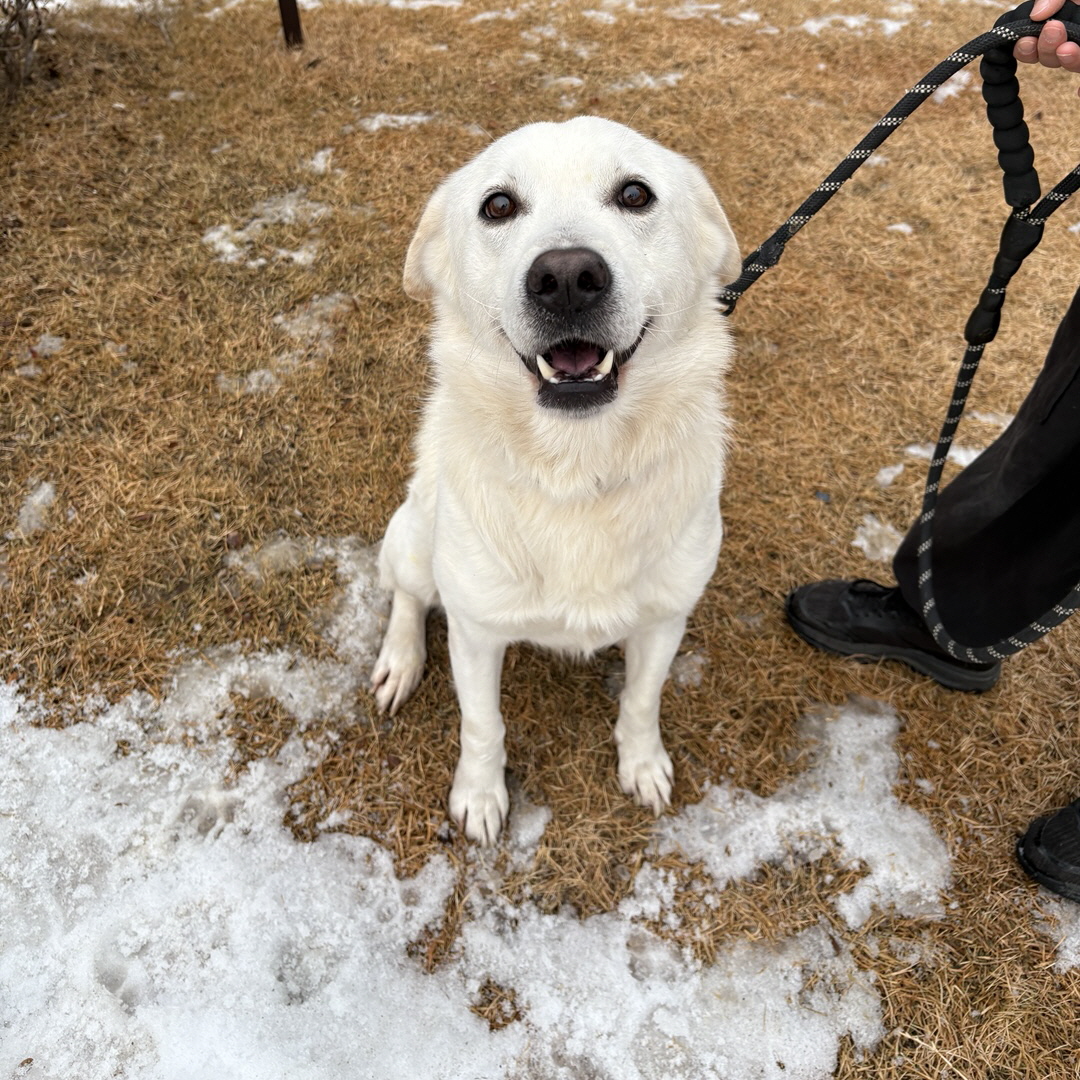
491 308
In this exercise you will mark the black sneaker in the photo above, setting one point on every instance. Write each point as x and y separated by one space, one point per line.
869 621
1050 851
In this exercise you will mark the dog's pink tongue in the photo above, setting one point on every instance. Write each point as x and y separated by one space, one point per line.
575 358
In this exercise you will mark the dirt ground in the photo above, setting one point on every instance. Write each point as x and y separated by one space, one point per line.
178 422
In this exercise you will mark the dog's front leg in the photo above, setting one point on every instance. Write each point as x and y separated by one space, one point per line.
478 800
645 770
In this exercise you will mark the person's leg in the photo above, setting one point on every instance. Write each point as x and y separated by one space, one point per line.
1006 548
1006 543
1007 529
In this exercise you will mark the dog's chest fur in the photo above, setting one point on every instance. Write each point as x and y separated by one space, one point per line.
570 534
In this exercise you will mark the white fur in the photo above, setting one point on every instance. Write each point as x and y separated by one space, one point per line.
532 524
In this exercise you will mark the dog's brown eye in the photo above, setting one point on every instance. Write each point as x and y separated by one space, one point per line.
635 196
499 206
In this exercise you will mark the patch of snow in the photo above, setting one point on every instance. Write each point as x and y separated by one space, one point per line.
312 324
35 511
952 86
525 828
417 5
845 799
233 245
320 163
692 9
995 419
562 82
859 24
47 345
958 454
887 474
159 925
490 16
876 539
354 621
279 554
213 13
643 81
900 227
536 34
1060 921
312 327
687 669
393 121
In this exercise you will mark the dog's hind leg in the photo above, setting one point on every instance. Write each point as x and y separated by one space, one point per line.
405 568
645 770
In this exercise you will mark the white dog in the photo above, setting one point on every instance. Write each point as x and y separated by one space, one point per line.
571 453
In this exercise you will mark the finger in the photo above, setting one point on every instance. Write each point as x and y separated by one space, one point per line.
1027 50
1053 37
1069 56
1043 9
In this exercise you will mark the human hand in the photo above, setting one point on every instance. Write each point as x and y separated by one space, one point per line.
1052 48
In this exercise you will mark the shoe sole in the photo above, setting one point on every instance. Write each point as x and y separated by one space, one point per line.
940 670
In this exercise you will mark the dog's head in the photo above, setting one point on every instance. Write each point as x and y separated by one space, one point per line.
572 244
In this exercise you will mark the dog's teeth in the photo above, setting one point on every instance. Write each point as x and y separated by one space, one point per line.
545 369
604 367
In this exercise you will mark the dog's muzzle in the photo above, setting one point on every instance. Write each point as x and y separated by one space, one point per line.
567 288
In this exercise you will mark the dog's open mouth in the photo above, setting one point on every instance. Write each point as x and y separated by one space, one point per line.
578 375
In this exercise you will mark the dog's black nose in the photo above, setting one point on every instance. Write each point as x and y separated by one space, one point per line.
568 281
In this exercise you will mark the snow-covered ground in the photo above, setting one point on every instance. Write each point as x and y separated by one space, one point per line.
160 924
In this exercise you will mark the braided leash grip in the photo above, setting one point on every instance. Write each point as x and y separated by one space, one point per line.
1020 236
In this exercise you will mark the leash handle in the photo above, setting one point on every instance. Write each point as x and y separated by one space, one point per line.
1008 29
1004 110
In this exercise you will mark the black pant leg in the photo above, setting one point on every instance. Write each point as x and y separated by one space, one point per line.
1007 529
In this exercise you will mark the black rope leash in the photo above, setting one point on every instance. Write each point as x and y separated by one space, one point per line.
1020 236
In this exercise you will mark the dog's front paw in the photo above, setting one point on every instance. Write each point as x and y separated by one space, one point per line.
397 673
647 778
479 808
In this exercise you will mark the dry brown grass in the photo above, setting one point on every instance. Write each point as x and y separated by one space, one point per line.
845 355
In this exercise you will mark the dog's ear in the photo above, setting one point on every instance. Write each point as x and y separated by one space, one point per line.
721 247
427 260
731 261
